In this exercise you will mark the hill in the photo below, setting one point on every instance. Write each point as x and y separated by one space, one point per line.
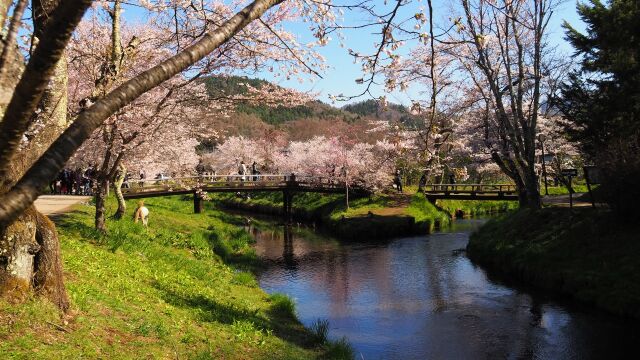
236 85
300 122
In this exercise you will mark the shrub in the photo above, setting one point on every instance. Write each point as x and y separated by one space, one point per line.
320 330
339 350
620 165
283 304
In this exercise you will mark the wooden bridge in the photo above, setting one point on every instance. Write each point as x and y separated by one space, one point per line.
291 184
434 192
198 185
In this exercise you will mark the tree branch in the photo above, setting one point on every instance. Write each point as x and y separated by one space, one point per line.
35 79
26 190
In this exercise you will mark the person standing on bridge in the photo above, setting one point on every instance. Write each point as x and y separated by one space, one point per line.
254 171
125 182
200 168
242 170
142 176
422 182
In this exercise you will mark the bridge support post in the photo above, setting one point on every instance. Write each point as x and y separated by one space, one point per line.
287 204
197 203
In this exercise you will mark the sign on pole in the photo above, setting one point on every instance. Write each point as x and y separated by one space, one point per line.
570 173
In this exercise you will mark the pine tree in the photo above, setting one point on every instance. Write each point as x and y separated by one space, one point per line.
602 98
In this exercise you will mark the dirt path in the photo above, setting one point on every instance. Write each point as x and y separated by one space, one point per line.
563 200
397 205
58 204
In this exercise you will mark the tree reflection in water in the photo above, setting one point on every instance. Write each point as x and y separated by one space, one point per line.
417 298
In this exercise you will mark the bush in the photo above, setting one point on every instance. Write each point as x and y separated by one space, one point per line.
620 165
320 330
283 304
339 350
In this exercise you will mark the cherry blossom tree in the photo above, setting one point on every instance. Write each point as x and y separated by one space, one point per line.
565 153
333 159
155 122
38 82
159 119
504 53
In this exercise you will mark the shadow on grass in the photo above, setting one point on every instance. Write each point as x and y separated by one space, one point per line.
234 248
71 223
283 324
119 232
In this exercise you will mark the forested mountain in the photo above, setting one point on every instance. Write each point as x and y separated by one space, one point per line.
237 85
313 118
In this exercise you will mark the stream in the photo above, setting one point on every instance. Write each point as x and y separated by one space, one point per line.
421 298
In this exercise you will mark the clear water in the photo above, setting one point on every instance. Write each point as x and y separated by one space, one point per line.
421 298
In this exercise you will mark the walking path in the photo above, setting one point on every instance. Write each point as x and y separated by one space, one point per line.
563 200
58 204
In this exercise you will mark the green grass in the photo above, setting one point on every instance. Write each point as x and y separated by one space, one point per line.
377 216
180 289
477 207
359 207
587 254
425 212
562 190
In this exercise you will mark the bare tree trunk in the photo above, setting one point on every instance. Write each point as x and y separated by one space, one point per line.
117 189
516 30
4 10
533 192
18 247
102 184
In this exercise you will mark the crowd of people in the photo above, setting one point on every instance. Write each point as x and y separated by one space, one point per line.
74 182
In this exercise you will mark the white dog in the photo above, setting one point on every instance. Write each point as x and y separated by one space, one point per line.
142 213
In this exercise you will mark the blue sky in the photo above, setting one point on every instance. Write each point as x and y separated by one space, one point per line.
340 77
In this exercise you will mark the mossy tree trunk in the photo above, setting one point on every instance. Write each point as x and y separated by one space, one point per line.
100 199
30 259
117 189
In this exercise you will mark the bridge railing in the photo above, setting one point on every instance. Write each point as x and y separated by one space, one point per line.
234 180
470 188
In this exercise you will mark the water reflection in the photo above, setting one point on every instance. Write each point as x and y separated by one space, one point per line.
421 298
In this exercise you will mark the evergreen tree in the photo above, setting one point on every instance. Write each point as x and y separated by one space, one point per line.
602 98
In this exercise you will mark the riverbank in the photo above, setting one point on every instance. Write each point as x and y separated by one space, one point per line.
382 216
181 289
587 255
471 208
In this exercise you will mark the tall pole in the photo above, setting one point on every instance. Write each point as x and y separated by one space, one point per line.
570 193
544 165
346 185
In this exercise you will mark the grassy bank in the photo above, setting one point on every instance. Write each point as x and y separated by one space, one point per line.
589 256
376 217
476 207
562 190
181 289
